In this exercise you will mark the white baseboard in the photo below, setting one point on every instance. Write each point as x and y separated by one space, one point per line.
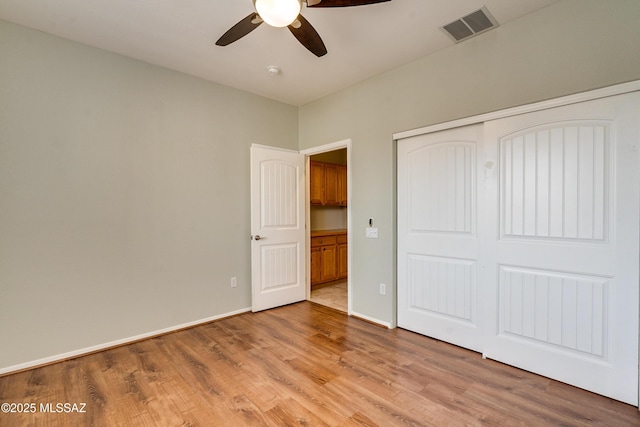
371 319
99 347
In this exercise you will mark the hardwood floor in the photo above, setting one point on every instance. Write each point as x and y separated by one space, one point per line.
301 364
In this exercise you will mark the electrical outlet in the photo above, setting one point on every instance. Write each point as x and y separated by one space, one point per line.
234 282
383 289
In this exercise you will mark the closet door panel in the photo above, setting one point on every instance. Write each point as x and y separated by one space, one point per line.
562 278
437 235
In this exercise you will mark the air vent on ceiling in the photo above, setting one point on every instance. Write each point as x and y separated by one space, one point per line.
471 25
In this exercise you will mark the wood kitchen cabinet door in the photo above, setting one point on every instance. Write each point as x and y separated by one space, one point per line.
329 263
316 265
343 260
317 192
342 185
331 184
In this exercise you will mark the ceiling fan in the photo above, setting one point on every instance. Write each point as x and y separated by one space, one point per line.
286 13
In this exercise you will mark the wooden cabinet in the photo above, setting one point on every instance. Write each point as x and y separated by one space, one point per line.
329 263
342 185
316 265
342 256
328 257
328 184
316 183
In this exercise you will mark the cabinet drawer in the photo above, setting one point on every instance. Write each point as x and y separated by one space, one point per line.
323 240
342 238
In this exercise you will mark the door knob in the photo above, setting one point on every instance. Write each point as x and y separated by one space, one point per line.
257 237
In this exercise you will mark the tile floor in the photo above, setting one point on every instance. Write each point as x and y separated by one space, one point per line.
334 296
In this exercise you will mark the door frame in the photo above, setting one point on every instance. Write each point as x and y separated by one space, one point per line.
338 145
619 89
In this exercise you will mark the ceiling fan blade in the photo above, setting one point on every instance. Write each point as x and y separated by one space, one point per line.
240 30
308 36
341 3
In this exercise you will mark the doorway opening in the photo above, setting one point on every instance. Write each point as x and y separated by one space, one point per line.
328 219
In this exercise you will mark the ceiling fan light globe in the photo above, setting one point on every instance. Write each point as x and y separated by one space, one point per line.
278 13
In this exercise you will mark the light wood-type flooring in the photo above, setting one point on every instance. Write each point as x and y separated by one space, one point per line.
302 364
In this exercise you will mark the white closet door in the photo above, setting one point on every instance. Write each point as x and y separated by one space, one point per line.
562 282
520 238
437 235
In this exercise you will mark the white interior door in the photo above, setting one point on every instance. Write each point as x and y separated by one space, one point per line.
438 248
277 227
564 245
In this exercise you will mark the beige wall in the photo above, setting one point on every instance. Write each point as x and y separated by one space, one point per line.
124 192
573 46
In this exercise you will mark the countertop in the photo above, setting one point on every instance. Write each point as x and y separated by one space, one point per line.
318 233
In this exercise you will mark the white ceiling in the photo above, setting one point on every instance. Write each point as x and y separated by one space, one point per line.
362 41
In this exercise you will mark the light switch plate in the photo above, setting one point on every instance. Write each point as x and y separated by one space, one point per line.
371 232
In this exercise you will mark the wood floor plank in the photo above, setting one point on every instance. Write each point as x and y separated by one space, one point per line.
289 383
290 413
301 364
